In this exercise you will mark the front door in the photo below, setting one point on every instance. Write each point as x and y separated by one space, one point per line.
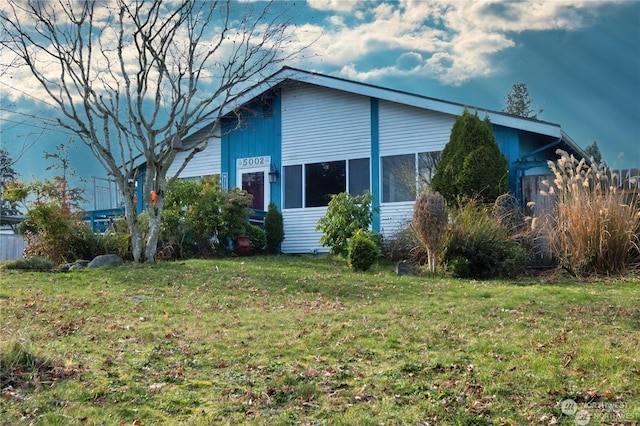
253 177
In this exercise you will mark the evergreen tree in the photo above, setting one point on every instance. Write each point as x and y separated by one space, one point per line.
593 151
520 103
7 172
274 228
472 166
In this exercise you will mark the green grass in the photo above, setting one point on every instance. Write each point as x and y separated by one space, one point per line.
304 340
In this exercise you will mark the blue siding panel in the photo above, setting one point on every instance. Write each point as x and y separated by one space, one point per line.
509 143
258 136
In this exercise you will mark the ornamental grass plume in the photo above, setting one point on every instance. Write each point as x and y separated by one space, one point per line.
594 228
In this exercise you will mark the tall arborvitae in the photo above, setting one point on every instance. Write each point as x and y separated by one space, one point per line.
472 166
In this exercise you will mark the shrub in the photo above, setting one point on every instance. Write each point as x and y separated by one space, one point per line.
400 245
54 233
274 228
477 246
362 251
258 238
346 214
35 263
234 216
595 227
430 218
472 166
192 215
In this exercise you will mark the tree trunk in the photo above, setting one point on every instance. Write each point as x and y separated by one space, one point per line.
153 234
135 232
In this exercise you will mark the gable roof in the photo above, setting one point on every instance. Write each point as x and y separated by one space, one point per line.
453 108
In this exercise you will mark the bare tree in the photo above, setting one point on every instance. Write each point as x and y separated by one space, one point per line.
128 76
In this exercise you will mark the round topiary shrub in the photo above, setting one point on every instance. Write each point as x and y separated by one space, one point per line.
258 238
362 251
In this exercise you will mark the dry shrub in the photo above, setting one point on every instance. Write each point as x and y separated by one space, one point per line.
595 226
479 246
430 223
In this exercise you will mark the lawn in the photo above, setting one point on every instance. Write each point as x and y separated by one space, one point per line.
304 340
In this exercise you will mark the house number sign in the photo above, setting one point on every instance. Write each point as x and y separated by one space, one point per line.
252 162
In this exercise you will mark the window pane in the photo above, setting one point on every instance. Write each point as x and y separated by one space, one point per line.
292 187
322 181
359 176
253 183
398 178
427 163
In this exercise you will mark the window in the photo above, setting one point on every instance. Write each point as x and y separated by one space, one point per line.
398 178
359 176
322 180
427 163
292 187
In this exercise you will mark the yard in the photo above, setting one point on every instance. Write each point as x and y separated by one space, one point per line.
304 340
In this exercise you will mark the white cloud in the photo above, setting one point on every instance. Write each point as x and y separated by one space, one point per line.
455 39
334 5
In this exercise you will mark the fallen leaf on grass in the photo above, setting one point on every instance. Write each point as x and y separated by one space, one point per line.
155 387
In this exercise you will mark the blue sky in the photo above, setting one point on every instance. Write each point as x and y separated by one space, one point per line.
580 61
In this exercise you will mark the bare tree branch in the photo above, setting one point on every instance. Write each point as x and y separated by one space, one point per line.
129 75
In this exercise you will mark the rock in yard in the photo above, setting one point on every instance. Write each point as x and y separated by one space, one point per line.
105 260
403 268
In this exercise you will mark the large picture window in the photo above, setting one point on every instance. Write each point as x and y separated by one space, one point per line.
398 178
322 180
313 184
403 176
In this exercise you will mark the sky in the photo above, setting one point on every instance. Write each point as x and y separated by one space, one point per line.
579 59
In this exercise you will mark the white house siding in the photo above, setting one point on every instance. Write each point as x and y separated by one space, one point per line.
320 124
205 163
405 129
395 217
300 234
408 130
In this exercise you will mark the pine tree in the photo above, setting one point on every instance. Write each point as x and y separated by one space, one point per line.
520 103
593 151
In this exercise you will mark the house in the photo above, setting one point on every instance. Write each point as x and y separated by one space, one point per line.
303 136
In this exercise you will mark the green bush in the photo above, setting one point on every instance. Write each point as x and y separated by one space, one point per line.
477 246
115 243
192 216
346 214
472 165
258 238
234 216
35 263
274 228
54 233
362 251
